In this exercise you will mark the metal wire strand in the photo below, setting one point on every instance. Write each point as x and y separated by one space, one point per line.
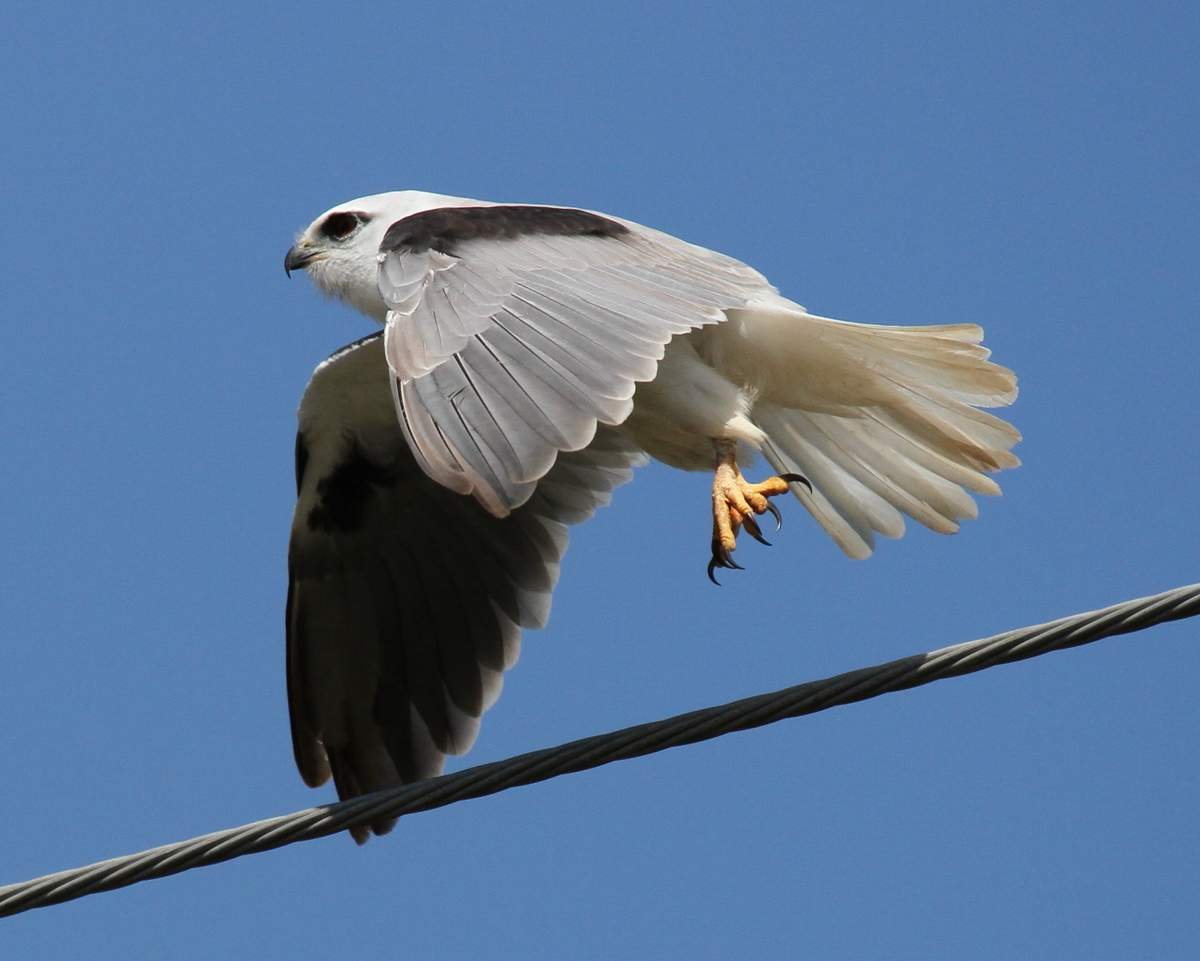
631 742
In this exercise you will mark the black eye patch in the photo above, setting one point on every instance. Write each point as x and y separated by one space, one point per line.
339 226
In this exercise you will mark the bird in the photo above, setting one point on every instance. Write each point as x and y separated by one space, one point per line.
530 358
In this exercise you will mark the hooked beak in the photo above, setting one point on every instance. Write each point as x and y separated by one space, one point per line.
299 257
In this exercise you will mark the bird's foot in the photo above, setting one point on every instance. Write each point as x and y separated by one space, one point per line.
736 502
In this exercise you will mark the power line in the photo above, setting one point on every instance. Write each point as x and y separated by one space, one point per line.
630 742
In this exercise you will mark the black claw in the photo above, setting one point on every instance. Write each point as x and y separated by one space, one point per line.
798 479
752 528
711 567
778 517
721 558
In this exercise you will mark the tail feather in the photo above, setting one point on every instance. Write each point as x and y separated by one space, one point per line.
966 435
839 514
969 379
887 434
919 493
884 421
948 358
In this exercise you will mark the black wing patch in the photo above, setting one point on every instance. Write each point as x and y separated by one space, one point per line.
344 494
445 227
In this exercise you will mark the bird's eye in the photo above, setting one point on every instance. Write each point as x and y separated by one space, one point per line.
340 226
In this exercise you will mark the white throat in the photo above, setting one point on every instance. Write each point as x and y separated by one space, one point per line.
352 280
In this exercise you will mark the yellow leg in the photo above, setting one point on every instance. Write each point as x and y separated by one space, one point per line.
735 502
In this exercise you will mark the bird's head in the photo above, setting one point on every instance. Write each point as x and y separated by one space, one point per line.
340 248
339 251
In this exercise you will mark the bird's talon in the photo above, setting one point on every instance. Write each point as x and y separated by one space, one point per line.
778 517
712 565
755 531
798 479
735 504
721 558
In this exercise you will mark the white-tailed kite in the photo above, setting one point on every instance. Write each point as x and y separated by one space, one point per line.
530 358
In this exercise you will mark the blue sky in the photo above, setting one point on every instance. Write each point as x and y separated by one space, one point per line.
1029 167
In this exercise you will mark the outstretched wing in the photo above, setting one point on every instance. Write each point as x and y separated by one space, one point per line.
405 599
514 330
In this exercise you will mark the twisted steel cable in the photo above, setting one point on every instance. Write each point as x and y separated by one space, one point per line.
590 752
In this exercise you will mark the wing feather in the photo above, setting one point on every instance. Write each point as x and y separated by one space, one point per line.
497 311
406 600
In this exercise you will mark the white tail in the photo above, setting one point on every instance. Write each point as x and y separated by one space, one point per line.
882 420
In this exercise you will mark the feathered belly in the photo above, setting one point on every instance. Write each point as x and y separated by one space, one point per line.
677 415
